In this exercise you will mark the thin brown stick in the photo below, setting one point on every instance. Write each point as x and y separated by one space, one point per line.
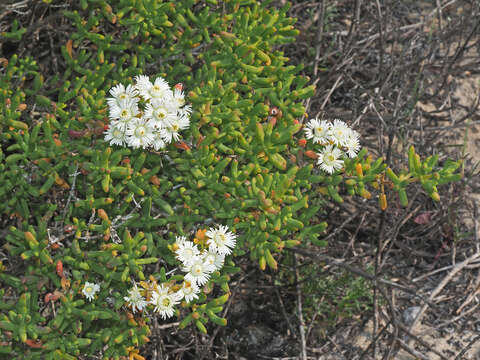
419 340
321 18
300 311
411 351
331 92
439 288
290 331
473 265
467 347
352 240
471 296
453 320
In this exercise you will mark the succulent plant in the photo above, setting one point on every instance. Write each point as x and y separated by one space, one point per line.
87 212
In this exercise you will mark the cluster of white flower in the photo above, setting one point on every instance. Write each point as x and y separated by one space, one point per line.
158 124
198 265
338 139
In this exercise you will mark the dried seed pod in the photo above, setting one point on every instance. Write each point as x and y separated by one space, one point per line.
59 268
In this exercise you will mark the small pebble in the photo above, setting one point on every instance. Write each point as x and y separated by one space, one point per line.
410 314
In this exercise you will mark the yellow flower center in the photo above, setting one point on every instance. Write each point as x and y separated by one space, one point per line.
197 269
140 131
161 113
124 113
219 238
166 302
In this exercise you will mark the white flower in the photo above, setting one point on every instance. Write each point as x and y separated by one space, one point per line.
198 271
319 131
135 299
176 124
158 90
189 291
180 240
115 135
221 240
215 259
329 159
139 133
187 252
124 113
352 143
185 111
164 301
164 116
143 86
158 143
121 94
340 132
177 99
90 289
159 114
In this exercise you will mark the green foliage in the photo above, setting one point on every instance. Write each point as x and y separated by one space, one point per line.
424 172
333 298
106 215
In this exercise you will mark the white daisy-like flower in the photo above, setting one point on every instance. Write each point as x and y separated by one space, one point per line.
214 258
187 252
352 143
171 130
115 135
198 271
177 100
158 113
143 85
124 113
90 289
319 131
158 90
329 159
189 291
121 94
158 143
135 299
221 240
164 301
180 240
139 133
185 111
340 132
